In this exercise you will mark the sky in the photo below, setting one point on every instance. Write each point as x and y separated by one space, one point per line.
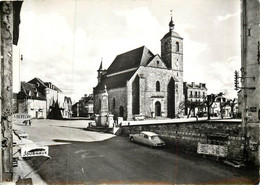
64 41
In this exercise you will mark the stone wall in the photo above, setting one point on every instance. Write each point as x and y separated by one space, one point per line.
187 135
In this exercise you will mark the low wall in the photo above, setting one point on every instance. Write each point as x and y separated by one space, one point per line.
186 136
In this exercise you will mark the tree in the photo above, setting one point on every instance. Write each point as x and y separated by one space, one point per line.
210 100
192 105
232 104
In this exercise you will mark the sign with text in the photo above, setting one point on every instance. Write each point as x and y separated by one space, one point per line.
22 116
215 150
35 151
252 109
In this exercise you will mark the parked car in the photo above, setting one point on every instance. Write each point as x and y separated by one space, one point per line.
147 138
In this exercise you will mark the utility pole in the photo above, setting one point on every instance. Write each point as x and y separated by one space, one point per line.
9 34
6 89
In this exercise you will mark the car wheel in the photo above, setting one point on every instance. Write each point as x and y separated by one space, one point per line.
131 139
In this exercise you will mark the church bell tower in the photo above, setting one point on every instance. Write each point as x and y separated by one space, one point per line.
172 49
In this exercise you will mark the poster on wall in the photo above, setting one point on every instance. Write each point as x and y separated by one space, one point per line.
215 150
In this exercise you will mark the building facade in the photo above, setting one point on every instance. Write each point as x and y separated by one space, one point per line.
31 101
250 76
84 107
141 83
194 96
54 96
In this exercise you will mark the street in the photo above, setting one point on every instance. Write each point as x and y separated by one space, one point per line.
93 158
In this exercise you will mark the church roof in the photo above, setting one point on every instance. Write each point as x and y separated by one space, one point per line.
114 81
171 33
131 59
124 66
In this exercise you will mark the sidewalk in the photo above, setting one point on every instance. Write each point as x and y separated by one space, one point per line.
23 168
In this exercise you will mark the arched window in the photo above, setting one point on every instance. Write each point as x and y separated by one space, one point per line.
114 103
177 47
157 86
121 111
99 104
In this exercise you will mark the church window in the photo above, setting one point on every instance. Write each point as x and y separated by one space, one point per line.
177 47
99 104
114 103
157 86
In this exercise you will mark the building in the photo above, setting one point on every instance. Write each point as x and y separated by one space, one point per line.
142 83
84 107
67 107
194 96
54 96
90 105
30 101
250 81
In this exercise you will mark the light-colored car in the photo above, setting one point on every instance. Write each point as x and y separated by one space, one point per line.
147 138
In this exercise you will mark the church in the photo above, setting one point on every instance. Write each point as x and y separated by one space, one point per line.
140 83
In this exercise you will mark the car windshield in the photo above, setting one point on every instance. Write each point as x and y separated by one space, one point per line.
155 138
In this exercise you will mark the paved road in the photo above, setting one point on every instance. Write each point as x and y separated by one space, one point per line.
116 160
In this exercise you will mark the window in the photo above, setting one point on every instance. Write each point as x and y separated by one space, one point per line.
191 96
203 96
114 103
157 86
199 95
99 104
177 47
158 63
196 95
146 136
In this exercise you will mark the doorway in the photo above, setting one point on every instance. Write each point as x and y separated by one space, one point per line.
157 108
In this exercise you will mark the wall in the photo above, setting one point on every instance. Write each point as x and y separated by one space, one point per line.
36 108
188 134
148 95
250 59
120 96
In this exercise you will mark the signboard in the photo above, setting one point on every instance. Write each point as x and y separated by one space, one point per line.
215 150
35 151
22 116
252 109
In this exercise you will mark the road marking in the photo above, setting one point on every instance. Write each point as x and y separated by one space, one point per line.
84 156
82 170
81 151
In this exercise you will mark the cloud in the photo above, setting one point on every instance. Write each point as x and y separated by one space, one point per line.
227 16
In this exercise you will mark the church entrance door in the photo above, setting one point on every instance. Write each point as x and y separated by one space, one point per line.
157 108
171 99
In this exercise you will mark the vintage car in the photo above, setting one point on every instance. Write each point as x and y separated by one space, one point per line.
148 138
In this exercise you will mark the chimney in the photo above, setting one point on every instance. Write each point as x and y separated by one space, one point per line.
193 84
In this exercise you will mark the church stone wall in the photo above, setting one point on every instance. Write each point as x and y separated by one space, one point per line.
148 95
120 96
